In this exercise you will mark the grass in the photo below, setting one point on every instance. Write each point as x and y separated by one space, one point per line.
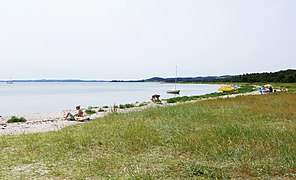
143 104
101 110
124 106
245 137
90 111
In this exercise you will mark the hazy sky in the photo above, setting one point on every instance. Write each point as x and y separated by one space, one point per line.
135 39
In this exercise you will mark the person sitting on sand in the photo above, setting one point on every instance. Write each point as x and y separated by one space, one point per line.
262 90
155 97
270 89
71 117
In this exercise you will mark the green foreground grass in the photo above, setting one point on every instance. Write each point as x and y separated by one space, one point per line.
244 137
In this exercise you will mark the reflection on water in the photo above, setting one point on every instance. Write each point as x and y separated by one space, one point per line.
24 98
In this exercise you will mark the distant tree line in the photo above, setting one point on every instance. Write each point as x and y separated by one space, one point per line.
287 76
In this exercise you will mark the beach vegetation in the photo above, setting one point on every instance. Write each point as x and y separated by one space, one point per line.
143 104
15 119
124 106
182 99
114 109
101 110
158 102
92 107
90 111
247 137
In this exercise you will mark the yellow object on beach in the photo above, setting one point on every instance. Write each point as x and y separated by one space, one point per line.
226 89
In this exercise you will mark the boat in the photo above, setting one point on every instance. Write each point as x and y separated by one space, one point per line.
175 90
10 81
226 89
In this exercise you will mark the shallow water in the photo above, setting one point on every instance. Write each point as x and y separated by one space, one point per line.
27 98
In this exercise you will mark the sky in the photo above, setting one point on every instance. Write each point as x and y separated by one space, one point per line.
138 39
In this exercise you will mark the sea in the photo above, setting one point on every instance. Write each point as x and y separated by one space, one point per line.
29 98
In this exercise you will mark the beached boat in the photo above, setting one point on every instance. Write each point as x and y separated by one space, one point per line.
226 89
175 90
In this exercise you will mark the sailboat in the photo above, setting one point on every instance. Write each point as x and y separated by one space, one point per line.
10 81
174 91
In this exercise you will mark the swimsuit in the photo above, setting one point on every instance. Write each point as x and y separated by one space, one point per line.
72 118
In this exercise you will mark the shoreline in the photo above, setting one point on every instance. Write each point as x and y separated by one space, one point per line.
54 121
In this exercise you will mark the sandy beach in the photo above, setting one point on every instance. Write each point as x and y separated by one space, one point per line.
44 122
41 122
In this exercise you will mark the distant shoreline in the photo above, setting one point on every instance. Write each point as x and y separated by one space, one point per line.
283 76
54 80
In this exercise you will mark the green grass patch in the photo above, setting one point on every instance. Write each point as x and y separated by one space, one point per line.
124 106
90 111
101 110
182 99
143 104
247 137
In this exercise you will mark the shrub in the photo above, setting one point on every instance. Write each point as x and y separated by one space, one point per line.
143 104
90 111
158 102
246 88
182 99
123 106
15 119
101 110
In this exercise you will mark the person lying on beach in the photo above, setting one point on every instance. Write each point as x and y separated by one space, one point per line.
71 117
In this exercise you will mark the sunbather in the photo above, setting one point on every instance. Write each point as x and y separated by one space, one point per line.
71 117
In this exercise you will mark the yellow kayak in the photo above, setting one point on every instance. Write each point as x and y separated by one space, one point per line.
226 89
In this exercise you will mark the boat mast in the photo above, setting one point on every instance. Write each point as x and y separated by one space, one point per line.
176 79
10 80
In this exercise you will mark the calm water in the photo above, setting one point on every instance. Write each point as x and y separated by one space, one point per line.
26 98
